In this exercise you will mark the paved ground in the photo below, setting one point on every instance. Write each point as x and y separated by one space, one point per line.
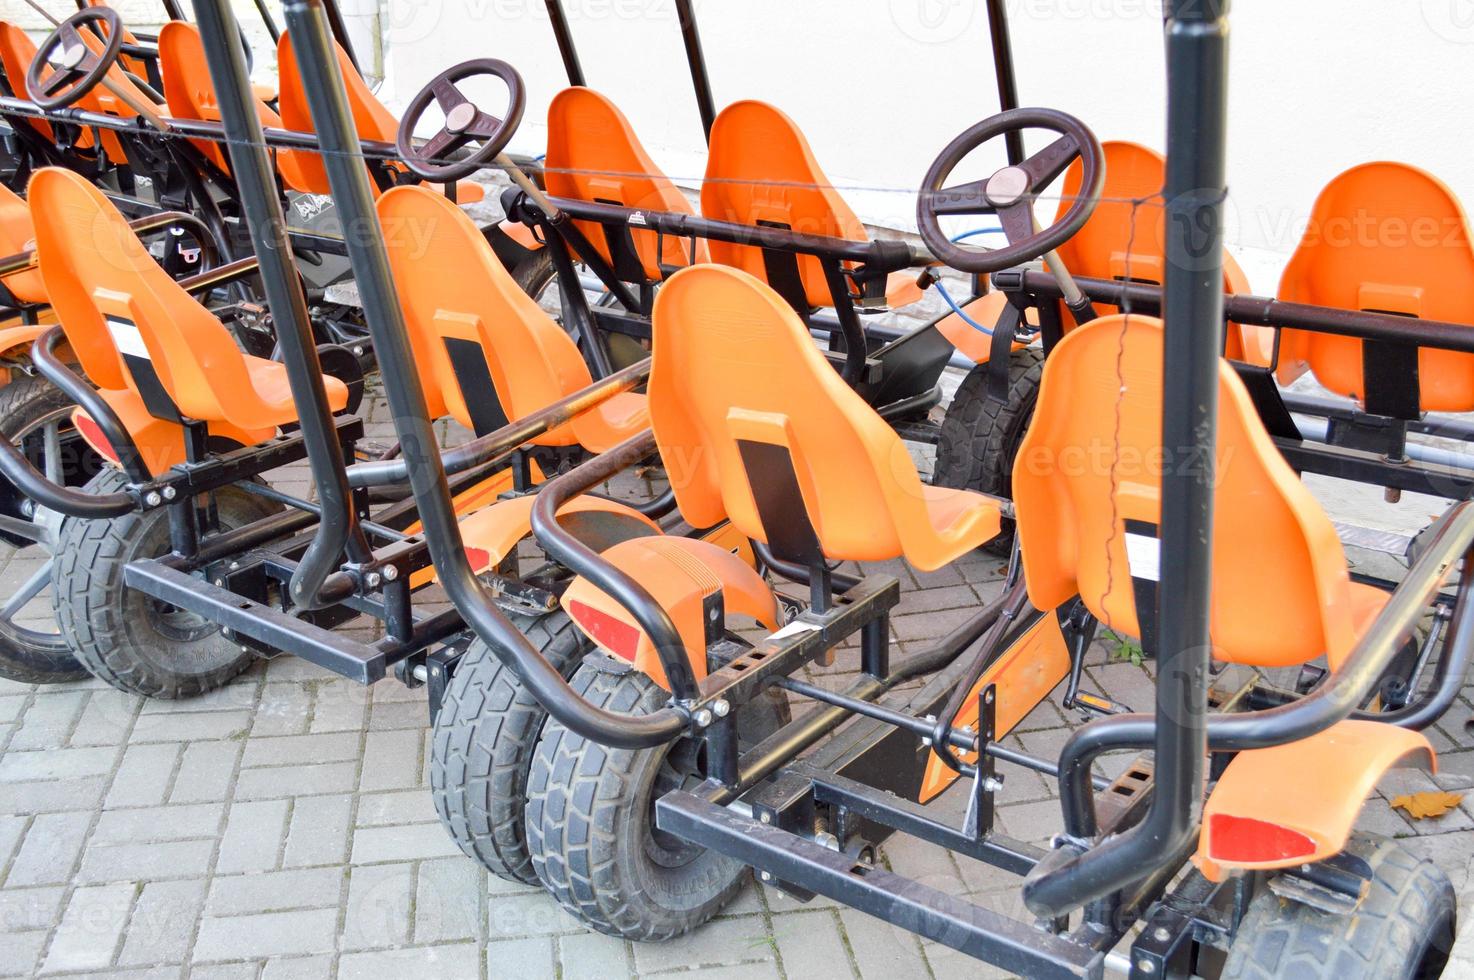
282 828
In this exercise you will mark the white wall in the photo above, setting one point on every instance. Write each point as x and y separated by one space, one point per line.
880 86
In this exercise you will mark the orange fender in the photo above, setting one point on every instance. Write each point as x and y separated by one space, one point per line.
18 337
1021 678
1295 804
680 574
491 534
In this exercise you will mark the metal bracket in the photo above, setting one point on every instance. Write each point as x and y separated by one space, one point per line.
985 781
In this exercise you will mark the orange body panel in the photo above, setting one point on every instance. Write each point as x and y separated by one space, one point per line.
18 235
17 51
17 337
1312 789
1281 593
972 342
1391 238
594 155
107 290
679 573
734 362
160 443
1022 677
492 533
1121 241
761 171
452 286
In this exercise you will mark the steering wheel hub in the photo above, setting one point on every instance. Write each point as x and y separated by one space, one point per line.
460 118
69 57
1008 186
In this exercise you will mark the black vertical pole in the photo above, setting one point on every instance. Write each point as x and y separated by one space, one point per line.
563 34
340 31
270 21
1002 40
1192 308
1192 305
172 8
256 182
696 58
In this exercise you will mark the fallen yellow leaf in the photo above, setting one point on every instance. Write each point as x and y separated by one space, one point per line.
1431 804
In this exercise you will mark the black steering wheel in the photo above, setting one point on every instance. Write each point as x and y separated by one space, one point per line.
465 123
76 68
1010 192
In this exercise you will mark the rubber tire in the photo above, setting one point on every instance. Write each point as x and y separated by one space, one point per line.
980 436
535 273
588 821
484 738
24 401
107 623
1408 913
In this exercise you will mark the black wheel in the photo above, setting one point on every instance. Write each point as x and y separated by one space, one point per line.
132 641
590 818
1403 929
981 436
537 277
485 735
37 417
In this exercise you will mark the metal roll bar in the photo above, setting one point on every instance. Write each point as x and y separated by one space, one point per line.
255 179
351 191
1197 71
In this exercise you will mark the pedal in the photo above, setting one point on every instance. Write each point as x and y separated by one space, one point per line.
1094 704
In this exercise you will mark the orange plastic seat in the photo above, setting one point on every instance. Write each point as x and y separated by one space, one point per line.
734 364
594 155
465 296
190 95
761 171
1122 241
1391 238
17 235
17 51
1281 592
122 312
371 119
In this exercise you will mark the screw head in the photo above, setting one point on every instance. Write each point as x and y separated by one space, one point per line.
170 493
721 708
391 572
765 817
153 499
703 717
374 578
1146 966
765 875
1162 934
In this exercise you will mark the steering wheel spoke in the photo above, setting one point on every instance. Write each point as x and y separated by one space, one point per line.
447 95
442 143
964 199
1045 166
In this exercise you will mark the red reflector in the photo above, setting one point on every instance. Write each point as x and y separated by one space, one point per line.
478 557
1244 840
614 635
93 434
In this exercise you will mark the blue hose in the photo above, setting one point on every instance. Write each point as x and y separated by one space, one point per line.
947 297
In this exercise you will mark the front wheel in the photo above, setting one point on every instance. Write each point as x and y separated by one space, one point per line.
125 637
981 436
36 416
591 817
1403 929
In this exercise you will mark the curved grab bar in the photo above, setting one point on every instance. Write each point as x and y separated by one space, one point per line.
1060 886
572 553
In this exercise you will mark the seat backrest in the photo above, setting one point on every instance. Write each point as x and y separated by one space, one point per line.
594 155
735 364
370 118
119 307
1122 240
18 235
454 290
1391 238
1091 465
17 51
761 171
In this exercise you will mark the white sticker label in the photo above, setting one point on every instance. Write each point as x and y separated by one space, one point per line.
793 629
128 338
1144 555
